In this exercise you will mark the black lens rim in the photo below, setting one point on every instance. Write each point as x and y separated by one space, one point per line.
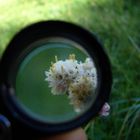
52 28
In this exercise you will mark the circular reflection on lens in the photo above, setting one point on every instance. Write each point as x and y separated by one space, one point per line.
56 80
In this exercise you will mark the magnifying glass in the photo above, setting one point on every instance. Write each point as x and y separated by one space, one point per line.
54 77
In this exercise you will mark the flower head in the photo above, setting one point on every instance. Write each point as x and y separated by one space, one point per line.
75 78
105 110
79 92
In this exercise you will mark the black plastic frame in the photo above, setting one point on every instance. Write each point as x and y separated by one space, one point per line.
22 40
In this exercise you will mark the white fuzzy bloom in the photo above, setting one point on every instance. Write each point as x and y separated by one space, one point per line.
61 75
80 93
76 79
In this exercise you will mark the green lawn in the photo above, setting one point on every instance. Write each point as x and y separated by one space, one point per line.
117 24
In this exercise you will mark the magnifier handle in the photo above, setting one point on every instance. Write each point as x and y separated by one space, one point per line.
5 130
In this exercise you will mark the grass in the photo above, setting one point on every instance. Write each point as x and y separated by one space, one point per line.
116 23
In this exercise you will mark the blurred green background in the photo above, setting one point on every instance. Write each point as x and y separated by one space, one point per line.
117 24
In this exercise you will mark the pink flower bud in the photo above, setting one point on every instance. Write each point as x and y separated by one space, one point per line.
105 110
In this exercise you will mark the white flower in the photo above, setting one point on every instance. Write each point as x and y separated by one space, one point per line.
76 79
79 93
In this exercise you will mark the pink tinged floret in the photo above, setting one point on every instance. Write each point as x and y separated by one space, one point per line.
105 110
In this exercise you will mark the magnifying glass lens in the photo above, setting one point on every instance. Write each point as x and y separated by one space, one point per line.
56 80
55 76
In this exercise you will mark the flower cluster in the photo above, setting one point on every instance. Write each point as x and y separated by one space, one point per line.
74 78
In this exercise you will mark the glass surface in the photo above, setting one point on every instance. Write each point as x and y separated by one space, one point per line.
50 78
